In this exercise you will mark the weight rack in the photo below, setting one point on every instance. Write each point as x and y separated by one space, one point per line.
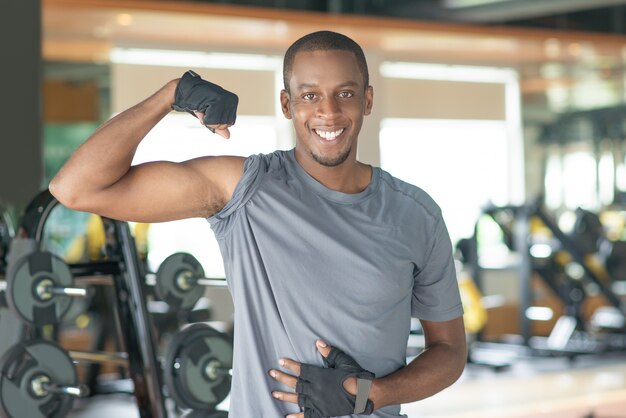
126 271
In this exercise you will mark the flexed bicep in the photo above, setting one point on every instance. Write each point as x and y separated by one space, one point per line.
165 191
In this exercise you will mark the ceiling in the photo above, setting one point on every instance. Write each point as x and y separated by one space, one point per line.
466 31
605 16
551 43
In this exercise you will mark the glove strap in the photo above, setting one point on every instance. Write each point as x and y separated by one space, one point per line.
363 387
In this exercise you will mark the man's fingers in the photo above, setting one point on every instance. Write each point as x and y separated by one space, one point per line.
286 397
220 129
224 133
284 378
323 347
290 365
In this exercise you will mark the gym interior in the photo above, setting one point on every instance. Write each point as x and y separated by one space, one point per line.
509 113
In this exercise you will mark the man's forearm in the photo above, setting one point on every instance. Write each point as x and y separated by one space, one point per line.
433 370
107 155
436 368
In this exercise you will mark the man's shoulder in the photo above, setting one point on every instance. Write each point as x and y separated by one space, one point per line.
267 162
408 194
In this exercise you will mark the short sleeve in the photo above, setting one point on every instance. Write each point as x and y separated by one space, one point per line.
435 288
253 171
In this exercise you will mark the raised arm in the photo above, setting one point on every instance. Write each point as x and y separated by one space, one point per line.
99 178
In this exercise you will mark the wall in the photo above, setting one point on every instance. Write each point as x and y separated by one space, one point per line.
21 164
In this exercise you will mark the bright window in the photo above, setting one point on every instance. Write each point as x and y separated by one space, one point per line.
553 181
580 180
462 164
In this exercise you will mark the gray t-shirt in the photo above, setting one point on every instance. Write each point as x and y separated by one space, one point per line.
305 262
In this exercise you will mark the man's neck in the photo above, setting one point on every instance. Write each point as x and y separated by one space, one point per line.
349 177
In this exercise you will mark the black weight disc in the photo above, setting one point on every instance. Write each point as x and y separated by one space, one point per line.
193 355
22 282
169 289
11 327
23 364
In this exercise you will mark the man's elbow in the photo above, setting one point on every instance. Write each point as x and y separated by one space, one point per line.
65 193
460 361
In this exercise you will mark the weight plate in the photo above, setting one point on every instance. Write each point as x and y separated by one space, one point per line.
23 364
11 327
22 283
197 367
177 293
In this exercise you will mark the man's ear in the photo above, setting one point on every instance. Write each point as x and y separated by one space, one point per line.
369 99
284 103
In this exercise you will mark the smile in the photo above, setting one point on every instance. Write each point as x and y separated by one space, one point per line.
329 135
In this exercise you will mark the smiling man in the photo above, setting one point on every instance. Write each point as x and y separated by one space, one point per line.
327 258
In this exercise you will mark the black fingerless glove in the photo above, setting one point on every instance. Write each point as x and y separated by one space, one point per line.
195 94
321 392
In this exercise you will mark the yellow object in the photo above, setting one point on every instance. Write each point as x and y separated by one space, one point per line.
141 239
96 239
475 316
76 250
88 246
82 321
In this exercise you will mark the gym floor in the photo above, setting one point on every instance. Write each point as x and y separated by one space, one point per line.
585 387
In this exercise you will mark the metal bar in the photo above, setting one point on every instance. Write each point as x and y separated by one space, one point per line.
521 233
78 391
118 359
204 281
212 282
78 292
135 327
473 259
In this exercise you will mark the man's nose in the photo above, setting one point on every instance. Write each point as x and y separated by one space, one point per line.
328 108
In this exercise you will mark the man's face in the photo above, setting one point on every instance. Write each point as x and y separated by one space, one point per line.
327 102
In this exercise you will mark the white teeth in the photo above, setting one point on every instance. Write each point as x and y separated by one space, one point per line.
329 135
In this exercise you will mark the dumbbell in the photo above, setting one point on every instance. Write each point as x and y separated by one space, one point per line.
180 281
40 288
198 367
38 380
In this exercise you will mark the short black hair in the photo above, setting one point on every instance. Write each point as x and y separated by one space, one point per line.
324 41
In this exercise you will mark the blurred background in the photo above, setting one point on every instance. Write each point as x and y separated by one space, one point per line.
510 113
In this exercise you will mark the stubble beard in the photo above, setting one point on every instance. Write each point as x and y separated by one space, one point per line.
331 161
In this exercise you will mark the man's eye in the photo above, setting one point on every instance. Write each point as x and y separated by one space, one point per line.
308 96
346 94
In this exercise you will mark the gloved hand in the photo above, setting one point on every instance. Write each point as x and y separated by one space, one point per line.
193 94
321 392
